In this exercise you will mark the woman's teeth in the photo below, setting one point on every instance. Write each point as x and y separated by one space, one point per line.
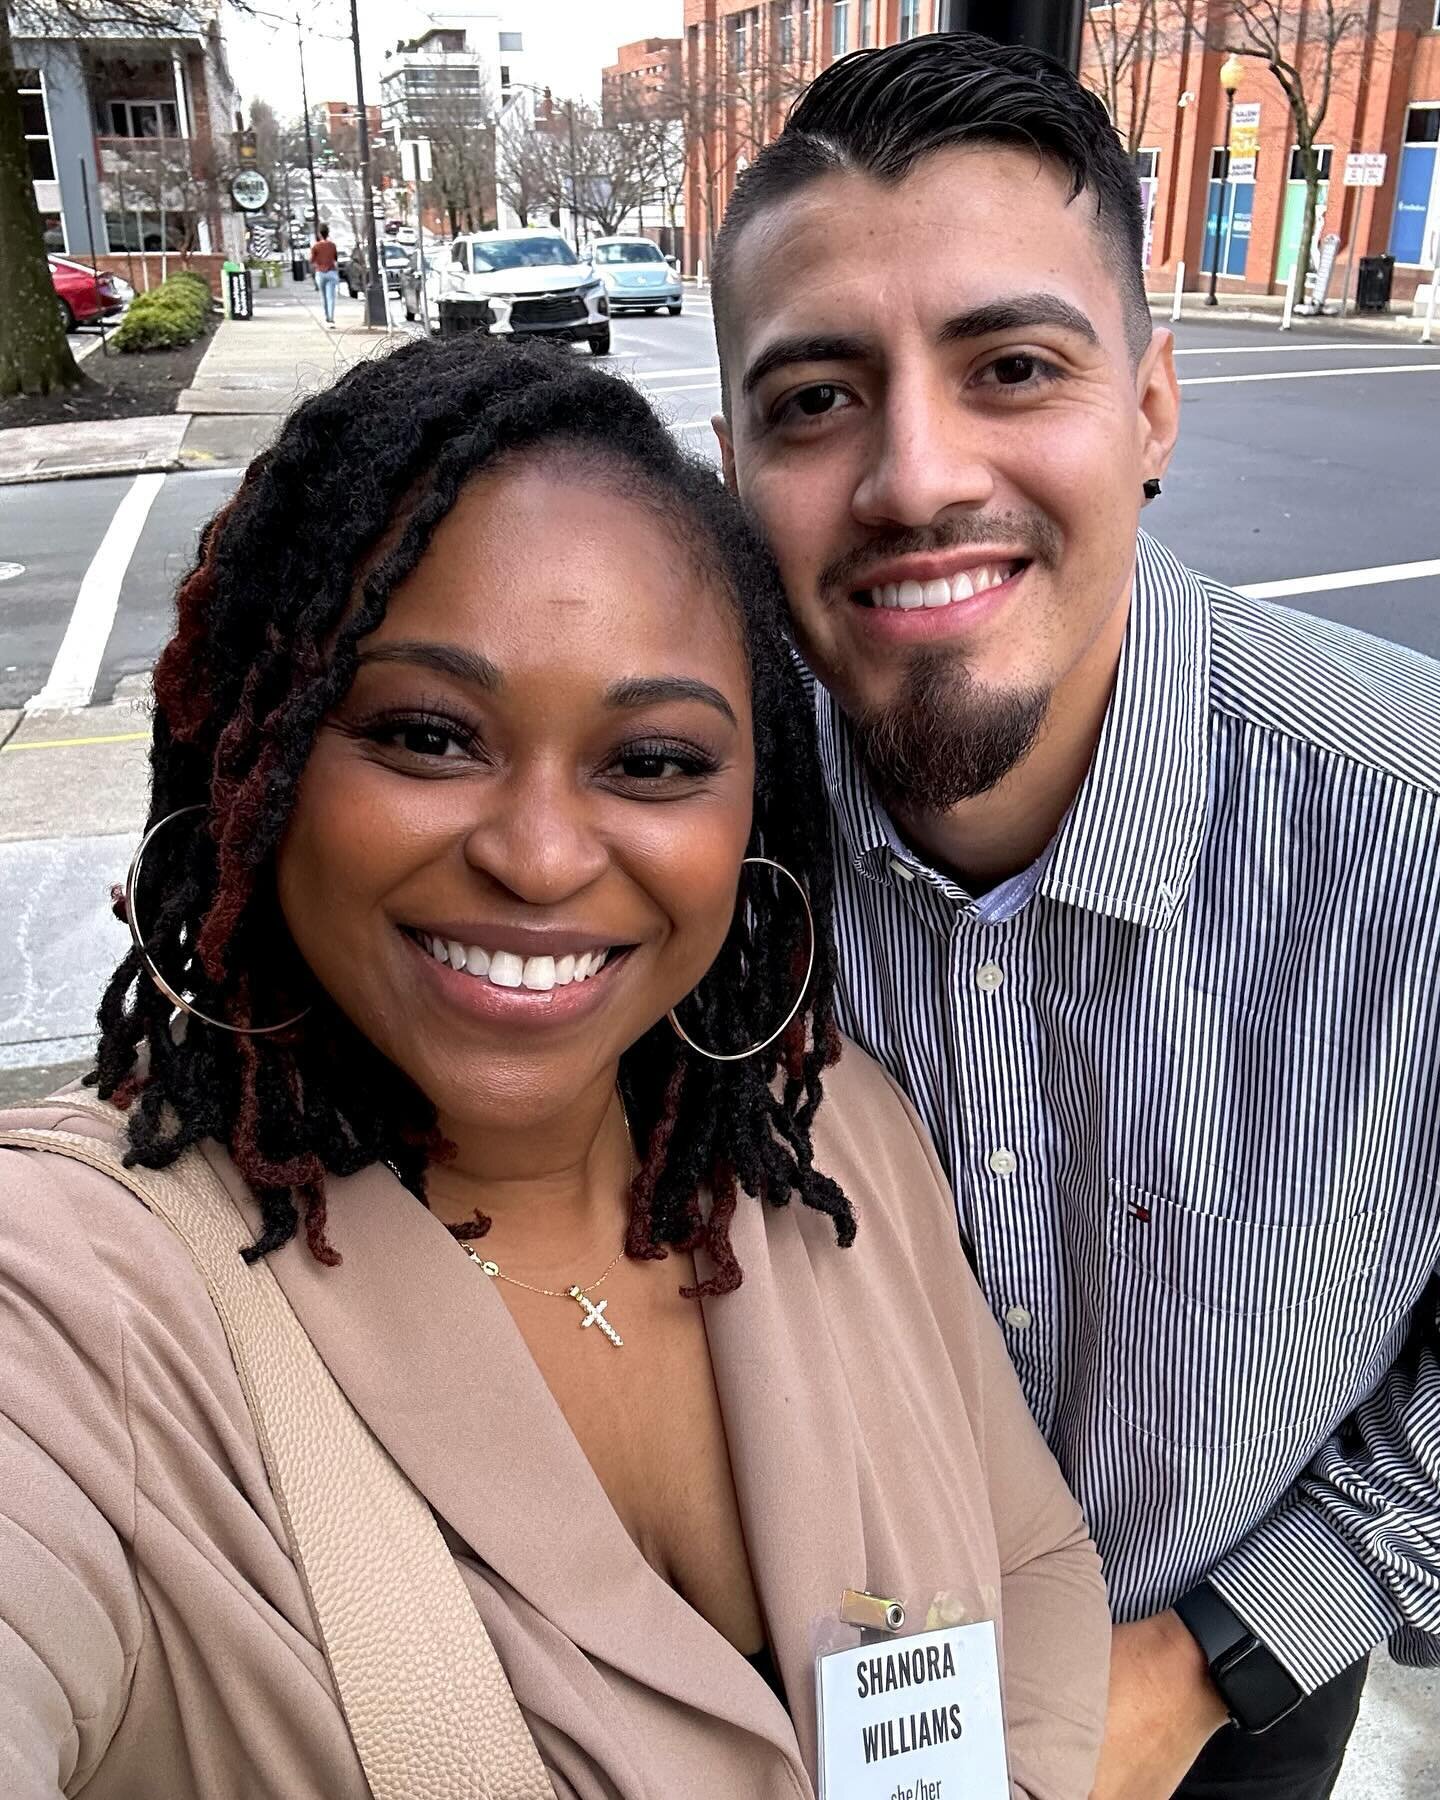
502 968
907 595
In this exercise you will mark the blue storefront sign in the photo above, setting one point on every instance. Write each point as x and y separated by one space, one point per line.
1412 202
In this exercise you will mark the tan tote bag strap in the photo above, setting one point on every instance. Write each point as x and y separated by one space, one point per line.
428 1704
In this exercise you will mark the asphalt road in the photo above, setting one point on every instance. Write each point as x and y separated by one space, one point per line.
1300 456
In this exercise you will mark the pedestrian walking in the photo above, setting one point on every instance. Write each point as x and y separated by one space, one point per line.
1138 890
325 260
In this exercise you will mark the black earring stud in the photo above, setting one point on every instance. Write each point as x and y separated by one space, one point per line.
1151 489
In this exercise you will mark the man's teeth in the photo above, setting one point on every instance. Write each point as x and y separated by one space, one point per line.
906 596
502 968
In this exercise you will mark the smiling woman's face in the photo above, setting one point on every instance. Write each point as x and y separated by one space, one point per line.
518 840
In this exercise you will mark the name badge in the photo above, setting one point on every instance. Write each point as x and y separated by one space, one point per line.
913 1718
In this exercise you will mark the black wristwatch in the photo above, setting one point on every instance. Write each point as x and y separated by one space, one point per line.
1254 1684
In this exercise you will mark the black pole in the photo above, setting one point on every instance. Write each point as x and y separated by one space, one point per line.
94 266
377 311
1210 299
309 140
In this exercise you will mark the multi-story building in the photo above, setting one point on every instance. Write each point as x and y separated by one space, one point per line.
334 123
1384 101
464 64
130 136
643 82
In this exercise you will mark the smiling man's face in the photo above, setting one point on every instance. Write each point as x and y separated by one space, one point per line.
936 416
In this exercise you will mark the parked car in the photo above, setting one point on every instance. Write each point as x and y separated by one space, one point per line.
394 259
522 284
637 276
83 296
436 263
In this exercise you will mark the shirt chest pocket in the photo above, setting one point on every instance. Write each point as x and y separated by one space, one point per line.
1217 1331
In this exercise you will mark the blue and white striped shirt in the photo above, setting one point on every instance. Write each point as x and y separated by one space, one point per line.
1185 1077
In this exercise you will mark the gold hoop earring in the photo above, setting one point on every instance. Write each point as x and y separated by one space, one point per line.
132 884
784 1025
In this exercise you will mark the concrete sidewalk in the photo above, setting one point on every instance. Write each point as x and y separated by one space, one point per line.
253 373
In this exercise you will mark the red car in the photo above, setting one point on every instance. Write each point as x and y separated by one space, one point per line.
83 297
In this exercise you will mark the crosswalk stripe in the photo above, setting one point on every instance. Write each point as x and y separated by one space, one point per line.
77 662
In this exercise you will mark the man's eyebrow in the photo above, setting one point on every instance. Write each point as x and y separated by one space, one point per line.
444 659
640 690
1015 314
831 347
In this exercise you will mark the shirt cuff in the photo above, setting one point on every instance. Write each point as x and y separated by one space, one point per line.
1302 1591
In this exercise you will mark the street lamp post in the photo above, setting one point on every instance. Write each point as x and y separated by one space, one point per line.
1231 72
377 307
309 139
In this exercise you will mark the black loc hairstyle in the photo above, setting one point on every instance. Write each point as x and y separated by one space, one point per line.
878 112
292 574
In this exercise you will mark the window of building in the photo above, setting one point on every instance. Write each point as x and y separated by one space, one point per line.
1147 164
744 31
1147 173
1229 208
512 43
840 28
785 30
867 29
504 75
1437 15
35 123
140 229
806 43
1323 155
54 228
909 19
144 119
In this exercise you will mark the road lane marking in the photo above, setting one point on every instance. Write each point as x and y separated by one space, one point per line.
1429 368
1344 578
77 662
110 737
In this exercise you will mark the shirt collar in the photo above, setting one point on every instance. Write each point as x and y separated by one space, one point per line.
1127 847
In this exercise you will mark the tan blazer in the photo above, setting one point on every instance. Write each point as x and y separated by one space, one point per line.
155 1643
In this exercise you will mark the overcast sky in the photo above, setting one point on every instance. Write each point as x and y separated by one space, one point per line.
567 43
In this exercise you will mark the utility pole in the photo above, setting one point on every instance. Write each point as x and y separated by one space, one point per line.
309 140
377 308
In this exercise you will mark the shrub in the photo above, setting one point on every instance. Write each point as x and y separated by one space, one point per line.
166 317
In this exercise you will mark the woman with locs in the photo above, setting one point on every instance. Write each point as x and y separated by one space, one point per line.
487 863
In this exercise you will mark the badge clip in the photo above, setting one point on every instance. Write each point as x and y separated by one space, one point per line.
870 1612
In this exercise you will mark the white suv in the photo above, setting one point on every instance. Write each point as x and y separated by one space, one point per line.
519 283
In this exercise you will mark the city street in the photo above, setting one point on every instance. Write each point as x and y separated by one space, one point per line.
1306 473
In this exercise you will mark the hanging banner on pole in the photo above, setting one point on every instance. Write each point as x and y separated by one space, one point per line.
1244 141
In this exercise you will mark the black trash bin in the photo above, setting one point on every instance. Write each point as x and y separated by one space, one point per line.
299 268
458 316
1372 291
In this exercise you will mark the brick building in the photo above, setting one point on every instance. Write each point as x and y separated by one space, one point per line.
1385 98
745 63
643 81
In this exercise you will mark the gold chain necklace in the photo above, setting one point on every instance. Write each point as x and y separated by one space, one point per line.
594 1315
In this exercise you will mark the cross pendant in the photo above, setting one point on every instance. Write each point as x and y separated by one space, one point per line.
595 1315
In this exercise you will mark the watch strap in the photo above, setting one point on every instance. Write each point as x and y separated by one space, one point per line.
1255 1685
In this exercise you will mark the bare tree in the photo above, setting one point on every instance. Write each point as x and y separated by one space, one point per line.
525 170
461 131
736 101
1125 43
1308 46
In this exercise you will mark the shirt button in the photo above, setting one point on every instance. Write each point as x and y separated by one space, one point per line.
1002 1162
1019 1318
988 977
897 867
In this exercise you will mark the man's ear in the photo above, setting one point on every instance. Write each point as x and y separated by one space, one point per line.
1159 396
720 425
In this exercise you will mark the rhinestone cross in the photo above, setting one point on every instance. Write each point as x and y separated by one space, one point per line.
595 1315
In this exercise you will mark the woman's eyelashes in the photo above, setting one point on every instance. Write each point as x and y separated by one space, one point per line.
428 739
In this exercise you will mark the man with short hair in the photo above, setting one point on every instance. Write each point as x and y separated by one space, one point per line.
1138 888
